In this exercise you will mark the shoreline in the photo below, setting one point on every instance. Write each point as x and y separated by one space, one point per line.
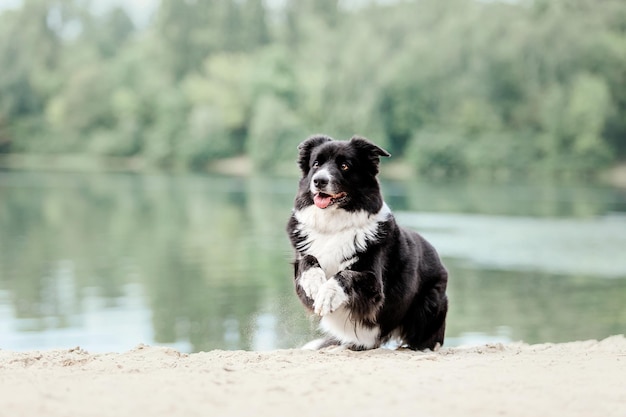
584 378
236 166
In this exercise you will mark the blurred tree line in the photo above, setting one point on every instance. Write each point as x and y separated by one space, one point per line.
455 87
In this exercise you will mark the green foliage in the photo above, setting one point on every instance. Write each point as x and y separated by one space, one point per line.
461 87
437 154
275 133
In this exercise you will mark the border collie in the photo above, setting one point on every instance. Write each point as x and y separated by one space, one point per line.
369 280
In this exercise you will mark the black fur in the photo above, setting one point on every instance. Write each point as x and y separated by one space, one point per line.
393 282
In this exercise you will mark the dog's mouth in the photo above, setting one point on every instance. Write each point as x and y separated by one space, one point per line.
323 200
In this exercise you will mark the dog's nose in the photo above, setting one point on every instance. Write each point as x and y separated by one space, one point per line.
320 181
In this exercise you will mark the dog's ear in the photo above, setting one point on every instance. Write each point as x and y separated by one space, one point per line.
306 147
373 152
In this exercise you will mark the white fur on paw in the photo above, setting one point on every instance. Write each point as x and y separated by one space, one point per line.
329 298
311 281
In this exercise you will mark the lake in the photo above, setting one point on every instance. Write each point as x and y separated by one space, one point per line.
109 261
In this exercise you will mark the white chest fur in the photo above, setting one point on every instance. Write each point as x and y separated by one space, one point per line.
334 236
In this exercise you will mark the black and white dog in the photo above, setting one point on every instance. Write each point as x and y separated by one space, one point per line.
369 280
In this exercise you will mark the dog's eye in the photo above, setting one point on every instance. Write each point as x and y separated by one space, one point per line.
316 164
344 167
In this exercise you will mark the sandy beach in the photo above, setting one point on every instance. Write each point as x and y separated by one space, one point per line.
586 378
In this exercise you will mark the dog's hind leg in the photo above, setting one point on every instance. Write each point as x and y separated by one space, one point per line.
425 325
321 343
433 333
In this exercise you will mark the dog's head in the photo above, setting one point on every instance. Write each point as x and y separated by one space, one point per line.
339 174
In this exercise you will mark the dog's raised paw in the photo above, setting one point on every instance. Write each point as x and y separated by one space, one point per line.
311 281
329 298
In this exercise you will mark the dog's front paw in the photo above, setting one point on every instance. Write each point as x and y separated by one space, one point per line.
311 281
329 298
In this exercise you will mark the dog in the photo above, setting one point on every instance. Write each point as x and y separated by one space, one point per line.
369 280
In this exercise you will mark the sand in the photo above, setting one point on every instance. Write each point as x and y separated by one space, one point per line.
571 379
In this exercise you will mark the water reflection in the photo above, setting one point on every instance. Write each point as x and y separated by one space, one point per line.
534 306
109 261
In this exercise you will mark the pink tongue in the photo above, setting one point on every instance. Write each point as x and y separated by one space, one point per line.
322 202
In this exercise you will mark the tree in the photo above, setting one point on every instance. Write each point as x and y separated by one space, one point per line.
189 31
256 30
482 88
110 32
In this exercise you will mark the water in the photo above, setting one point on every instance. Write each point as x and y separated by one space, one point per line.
109 261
